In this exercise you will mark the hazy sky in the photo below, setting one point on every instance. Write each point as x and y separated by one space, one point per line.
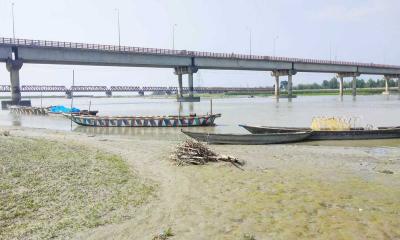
357 30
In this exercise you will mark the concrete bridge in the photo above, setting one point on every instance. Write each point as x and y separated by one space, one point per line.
132 89
16 52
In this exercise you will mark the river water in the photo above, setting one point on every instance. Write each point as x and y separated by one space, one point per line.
376 110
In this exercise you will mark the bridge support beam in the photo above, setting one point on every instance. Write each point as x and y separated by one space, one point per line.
341 86
68 94
190 84
189 70
398 85
353 85
386 86
180 87
277 74
387 79
290 86
277 92
13 66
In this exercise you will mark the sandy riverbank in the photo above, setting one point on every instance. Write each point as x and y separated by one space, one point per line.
286 191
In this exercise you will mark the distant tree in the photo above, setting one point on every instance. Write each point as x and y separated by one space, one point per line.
284 85
380 83
392 83
333 83
370 83
315 86
360 83
325 84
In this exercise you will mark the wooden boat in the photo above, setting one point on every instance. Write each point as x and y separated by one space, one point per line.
352 134
22 110
266 129
28 110
144 121
82 112
248 139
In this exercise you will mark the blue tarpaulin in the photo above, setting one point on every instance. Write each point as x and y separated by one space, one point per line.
62 109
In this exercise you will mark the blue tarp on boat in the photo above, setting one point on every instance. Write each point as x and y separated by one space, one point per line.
62 109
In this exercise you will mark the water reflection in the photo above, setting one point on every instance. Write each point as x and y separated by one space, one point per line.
15 120
163 133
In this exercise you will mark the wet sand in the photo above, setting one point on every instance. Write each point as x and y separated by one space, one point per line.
313 190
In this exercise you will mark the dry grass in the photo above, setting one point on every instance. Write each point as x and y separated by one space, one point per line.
54 190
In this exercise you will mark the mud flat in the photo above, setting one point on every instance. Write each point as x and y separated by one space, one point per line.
318 190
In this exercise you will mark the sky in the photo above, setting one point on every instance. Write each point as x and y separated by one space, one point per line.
357 30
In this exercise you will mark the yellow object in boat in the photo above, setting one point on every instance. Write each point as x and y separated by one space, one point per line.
330 124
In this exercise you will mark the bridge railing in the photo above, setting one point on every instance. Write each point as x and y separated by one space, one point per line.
89 88
160 51
46 88
50 88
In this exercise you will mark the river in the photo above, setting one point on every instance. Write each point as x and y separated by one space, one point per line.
376 110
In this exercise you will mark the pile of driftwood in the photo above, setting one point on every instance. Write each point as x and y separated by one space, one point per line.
196 153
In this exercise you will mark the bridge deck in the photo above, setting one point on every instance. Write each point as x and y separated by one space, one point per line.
54 52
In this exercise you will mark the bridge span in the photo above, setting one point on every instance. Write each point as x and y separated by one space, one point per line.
130 89
16 52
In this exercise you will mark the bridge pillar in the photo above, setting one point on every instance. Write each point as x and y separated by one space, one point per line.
398 85
180 88
354 86
386 86
387 78
68 94
109 93
276 86
341 84
13 66
277 74
190 83
354 82
189 70
290 86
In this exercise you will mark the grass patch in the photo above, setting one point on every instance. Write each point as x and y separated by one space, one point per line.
53 190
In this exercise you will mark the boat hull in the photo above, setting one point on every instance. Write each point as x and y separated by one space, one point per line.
353 134
154 121
248 139
22 110
263 130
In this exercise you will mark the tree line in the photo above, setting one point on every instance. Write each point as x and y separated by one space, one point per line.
334 84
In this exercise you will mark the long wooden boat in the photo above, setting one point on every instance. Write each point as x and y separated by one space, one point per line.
145 121
352 134
23 110
248 139
267 129
28 110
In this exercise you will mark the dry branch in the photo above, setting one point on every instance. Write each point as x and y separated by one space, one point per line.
195 153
